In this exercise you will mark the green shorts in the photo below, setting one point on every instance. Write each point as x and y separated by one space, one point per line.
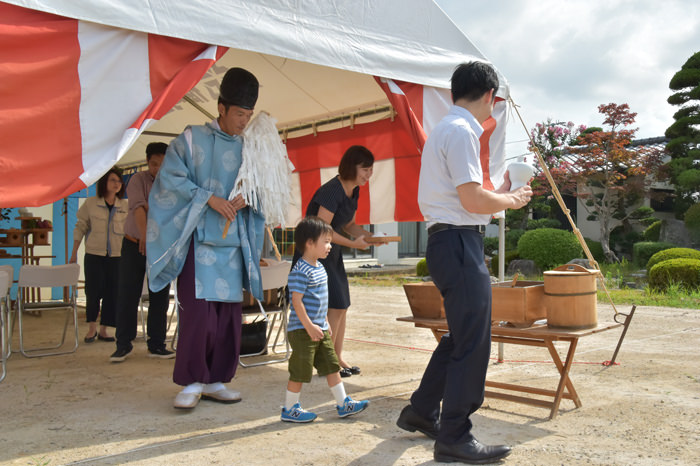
307 354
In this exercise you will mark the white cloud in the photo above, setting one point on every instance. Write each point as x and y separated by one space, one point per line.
564 59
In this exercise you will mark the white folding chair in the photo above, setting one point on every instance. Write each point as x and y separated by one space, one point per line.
37 276
6 274
274 277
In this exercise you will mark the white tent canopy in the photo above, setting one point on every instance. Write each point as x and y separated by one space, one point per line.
315 60
408 40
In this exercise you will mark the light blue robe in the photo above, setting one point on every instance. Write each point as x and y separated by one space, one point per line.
201 162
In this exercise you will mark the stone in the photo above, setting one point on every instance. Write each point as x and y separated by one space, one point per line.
675 232
524 267
582 262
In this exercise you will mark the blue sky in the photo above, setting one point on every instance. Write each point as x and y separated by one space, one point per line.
563 59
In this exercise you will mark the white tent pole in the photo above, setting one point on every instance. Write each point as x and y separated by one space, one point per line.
501 266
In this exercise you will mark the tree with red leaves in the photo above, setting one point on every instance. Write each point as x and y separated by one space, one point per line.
610 175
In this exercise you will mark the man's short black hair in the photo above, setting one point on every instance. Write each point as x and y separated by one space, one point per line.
310 228
155 148
102 182
472 80
354 156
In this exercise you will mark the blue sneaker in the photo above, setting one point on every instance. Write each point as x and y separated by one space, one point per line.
297 414
351 407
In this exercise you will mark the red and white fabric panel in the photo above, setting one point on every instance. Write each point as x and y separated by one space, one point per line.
420 108
75 95
391 193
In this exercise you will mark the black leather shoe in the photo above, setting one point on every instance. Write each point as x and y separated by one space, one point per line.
411 421
345 372
472 452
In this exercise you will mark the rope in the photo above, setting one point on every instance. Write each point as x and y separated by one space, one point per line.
567 212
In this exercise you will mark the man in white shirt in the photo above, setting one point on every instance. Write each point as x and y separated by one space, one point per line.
457 206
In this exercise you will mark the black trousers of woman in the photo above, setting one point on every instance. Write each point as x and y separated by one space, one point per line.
101 282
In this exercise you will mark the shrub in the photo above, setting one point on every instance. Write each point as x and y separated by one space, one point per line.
653 231
685 272
512 238
510 256
490 245
624 241
422 268
596 249
672 253
549 247
692 221
543 223
692 217
643 251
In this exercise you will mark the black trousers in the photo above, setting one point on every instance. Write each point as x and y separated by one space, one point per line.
456 373
131 273
101 276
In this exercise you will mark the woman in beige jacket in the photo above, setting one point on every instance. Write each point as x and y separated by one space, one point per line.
101 221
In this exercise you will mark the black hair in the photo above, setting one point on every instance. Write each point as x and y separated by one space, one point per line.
155 148
102 183
472 80
310 228
354 156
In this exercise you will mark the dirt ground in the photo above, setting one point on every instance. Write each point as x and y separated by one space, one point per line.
82 409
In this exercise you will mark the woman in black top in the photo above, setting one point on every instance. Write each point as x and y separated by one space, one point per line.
336 203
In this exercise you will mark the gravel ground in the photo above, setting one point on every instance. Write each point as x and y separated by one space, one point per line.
82 409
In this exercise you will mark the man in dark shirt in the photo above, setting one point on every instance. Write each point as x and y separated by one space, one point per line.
132 268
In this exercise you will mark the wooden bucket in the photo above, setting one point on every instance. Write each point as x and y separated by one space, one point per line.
570 295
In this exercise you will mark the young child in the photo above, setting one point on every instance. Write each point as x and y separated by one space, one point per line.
308 331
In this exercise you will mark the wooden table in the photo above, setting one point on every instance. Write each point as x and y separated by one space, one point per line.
538 335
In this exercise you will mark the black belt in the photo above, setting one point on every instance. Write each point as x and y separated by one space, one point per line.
481 229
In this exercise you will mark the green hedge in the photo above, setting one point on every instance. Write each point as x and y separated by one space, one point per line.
692 217
653 231
596 249
684 272
549 247
512 238
422 268
672 253
692 221
642 252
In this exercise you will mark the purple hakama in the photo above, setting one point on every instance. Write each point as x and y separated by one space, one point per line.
208 345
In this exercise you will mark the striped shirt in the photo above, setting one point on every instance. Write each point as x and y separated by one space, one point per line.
312 282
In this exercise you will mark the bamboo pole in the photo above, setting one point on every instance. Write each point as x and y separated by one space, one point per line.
562 204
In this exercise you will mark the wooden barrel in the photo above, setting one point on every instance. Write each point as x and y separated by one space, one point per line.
570 296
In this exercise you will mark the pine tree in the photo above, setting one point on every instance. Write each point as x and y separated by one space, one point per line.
684 133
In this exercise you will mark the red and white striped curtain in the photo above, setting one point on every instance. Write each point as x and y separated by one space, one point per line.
420 108
75 95
392 192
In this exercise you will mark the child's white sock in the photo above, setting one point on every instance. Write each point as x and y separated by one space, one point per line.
193 388
338 392
290 399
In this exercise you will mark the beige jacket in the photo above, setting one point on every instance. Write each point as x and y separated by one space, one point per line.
93 223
